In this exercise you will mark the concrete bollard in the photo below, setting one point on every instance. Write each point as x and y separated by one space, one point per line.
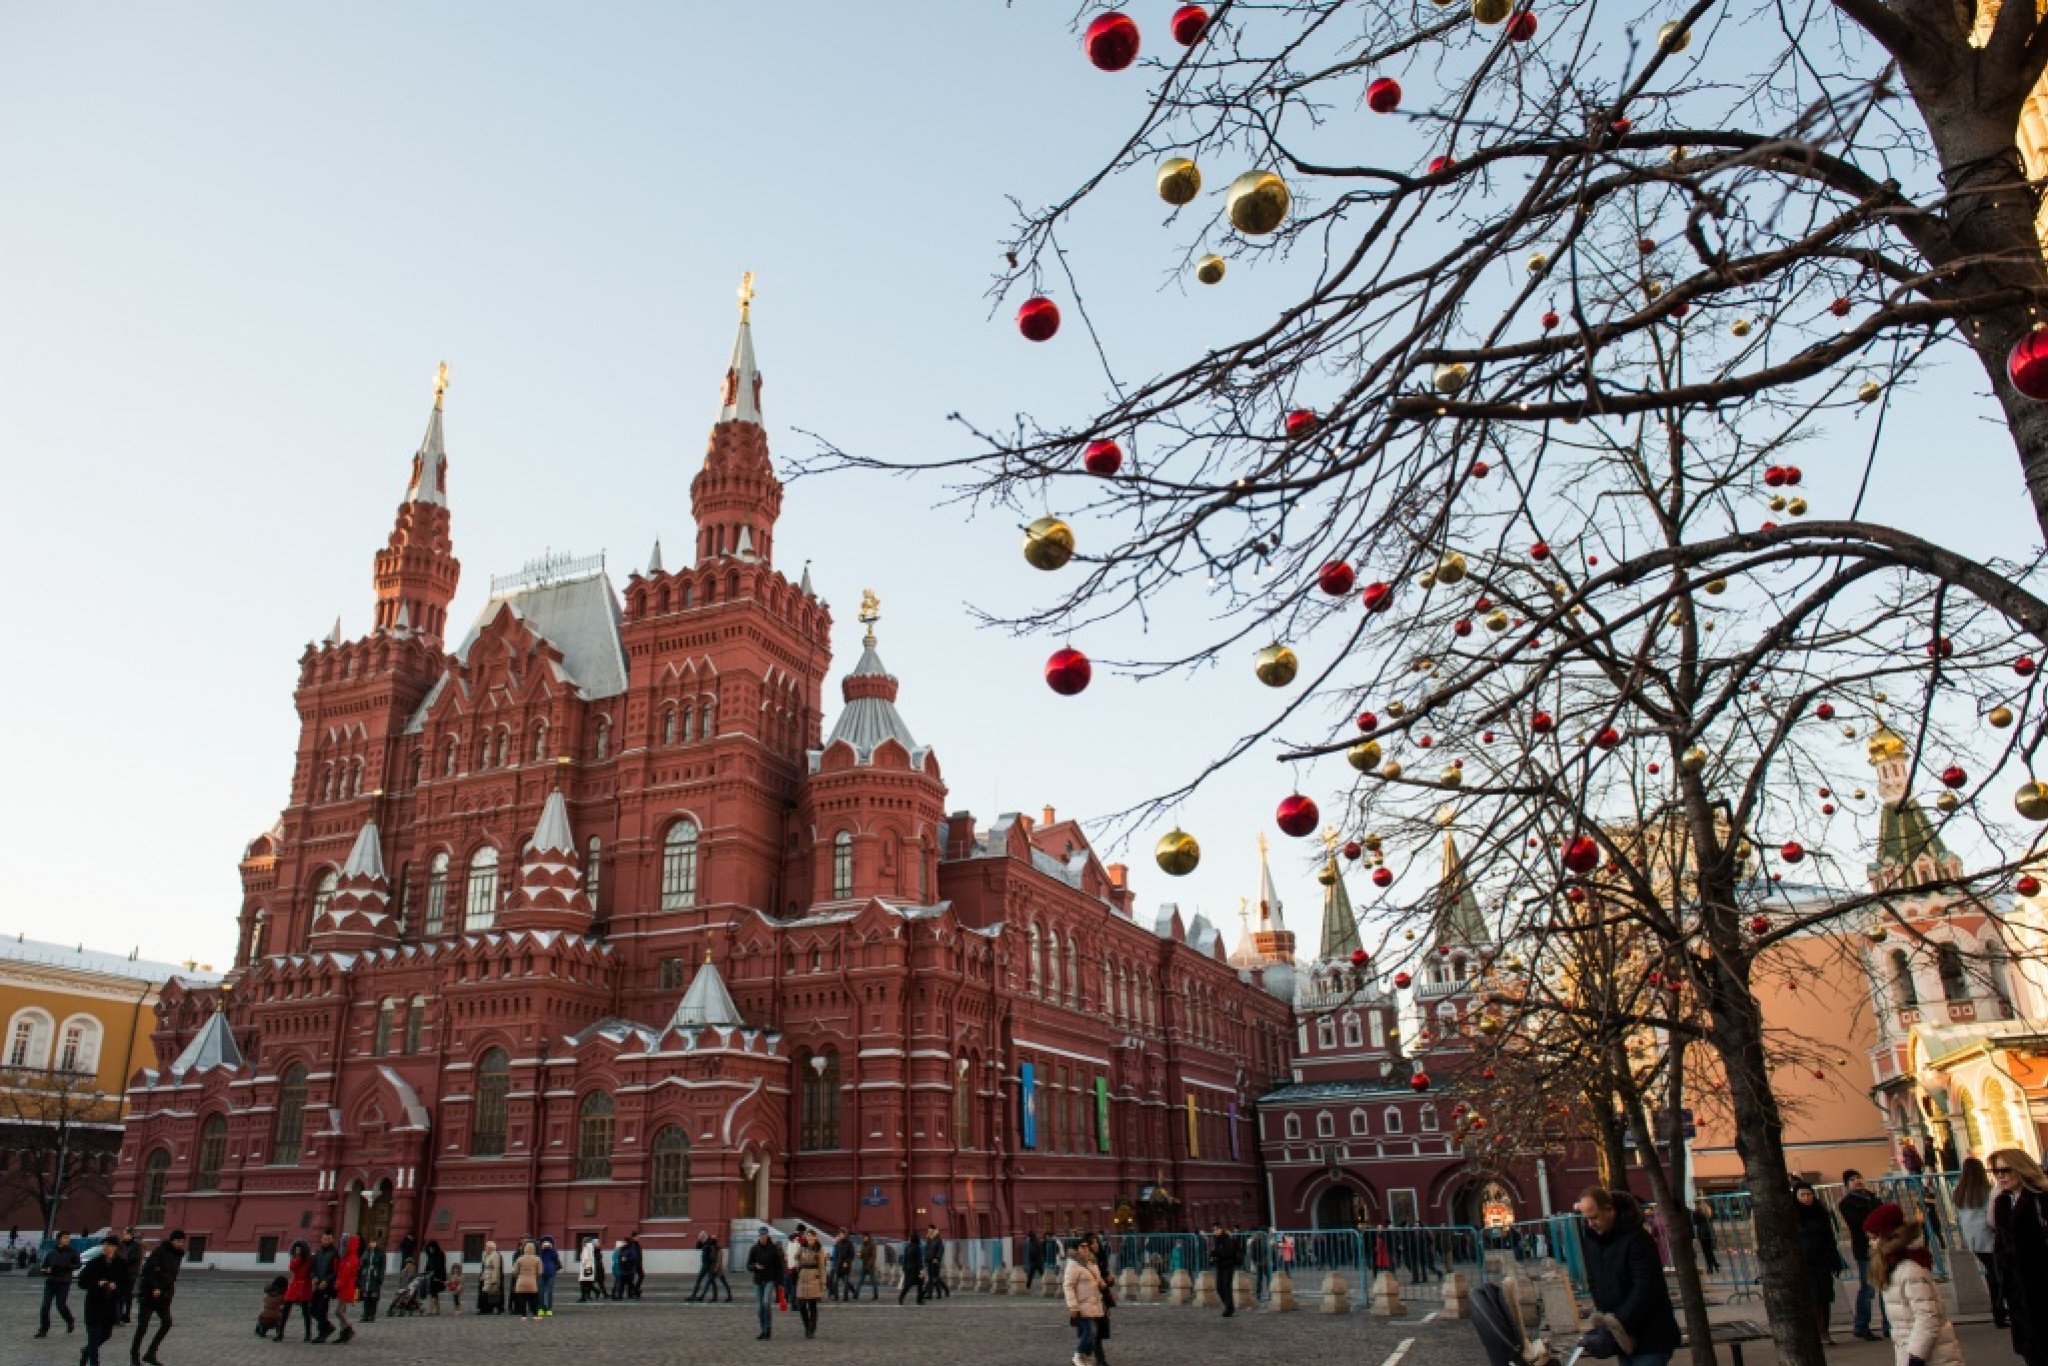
1205 1292
1016 1279
1241 1292
1148 1286
1181 1289
1559 1304
985 1282
1336 1294
1050 1285
1386 1296
1280 1293
1127 1285
1457 1297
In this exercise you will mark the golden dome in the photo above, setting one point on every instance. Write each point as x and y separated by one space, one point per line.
1885 745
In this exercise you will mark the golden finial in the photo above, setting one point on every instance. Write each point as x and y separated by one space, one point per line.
440 385
870 611
707 955
1262 846
746 294
1330 838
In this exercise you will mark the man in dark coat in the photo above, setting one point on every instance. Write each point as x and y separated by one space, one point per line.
1033 1253
131 1258
370 1280
102 1280
60 1264
1625 1273
326 1265
1223 1258
769 1266
1856 1205
935 1264
156 1288
913 1269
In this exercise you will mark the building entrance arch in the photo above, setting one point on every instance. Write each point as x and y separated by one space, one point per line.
366 1212
1342 1206
1483 1203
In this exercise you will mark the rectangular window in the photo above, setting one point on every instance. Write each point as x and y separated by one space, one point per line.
593 864
482 910
472 1247
415 1020
1379 1030
266 1250
842 866
1326 1033
437 896
671 974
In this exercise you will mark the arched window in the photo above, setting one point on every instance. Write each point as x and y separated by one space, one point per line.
684 724
1427 1118
1955 981
493 1085
437 894
820 1102
1359 1128
604 737
1973 1136
593 865
156 1177
1035 965
1997 1113
1052 965
323 896
704 721
594 1137
1392 1123
213 1151
78 1045
1904 995
1326 1124
679 866
668 726
668 1175
1290 1127
290 1124
963 1105
1353 1036
1073 971
387 1013
415 1021
842 865
480 910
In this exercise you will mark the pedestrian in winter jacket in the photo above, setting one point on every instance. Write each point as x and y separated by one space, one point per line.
156 1288
913 1269
101 1280
370 1280
550 1267
1082 1284
348 1274
1625 1273
1817 1246
1903 1271
766 1262
1854 1209
490 1281
2019 1236
60 1264
586 1270
810 1281
325 1260
298 1290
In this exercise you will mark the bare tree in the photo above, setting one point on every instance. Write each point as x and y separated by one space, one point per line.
61 1130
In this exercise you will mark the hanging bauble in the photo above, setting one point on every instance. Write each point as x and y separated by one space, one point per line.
1391 769
1450 377
1378 597
1674 37
1439 164
1048 543
1397 709
1368 722
1297 815
1947 801
2027 365
1364 756
1538 263
2000 717
1373 842
1540 551
1276 666
1383 96
1608 738
1451 568
1797 507
1760 924
1793 852
1582 855
1112 41
2023 666
1177 853
1825 711
1549 319
1497 620
1038 319
1301 423
1068 671
1382 877
1336 578
1840 308
2027 885
1941 647
1740 327
1540 723
1420 1081
1522 27
1717 586
1257 202
1870 390
1188 24
1359 958
1462 627
1103 457
1876 934
1792 476
1954 777
1774 476
1180 180
1353 850
1209 270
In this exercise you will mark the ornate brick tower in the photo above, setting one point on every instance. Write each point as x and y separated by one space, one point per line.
736 496
417 570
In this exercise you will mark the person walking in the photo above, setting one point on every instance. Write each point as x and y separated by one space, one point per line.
1973 1196
1625 1273
1817 1245
2019 1234
810 1280
1703 1234
1854 1208
100 1281
348 1279
370 1279
1033 1257
324 1263
913 1269
156 1288
935 1265
1081 1285
550 1267
618 1255
632 1264
298 1287
436 1268
1903 1271
131 1256
490 1280
60 1264
587 1258
1262 1263
841 1261
709 1271
768 1265
1223 1259
869 1256
526 1271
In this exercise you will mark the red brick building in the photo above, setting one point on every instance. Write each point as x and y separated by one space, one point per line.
588 924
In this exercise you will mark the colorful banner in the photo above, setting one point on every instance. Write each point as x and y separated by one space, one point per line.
1194 1130
1027 1098
1102 1114
1233 1133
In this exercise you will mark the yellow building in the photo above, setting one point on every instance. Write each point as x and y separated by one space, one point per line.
77 1027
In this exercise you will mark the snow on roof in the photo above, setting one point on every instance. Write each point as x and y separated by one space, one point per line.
22 949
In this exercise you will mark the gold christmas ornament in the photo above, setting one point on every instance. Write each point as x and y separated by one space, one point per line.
1426 579
1717 586
1177 853
1870 390
1492 11
1653 288
1391 769
1778 503
1209 270
2031 801
1451 568
1180 180
2000 717
1741 327
1948 801
1452 776
1365 757
1693 760
1397 709
1451 377
1876 934
1496 620
1277 666
1858 794
1538 263
1258 202
1848 732
1797 507
1674 37
1048 543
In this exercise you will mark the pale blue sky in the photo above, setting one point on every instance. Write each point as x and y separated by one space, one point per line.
235 240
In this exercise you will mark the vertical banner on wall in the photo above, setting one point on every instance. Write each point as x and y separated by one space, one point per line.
1234 1156
1194 1130
1027 1101
1102 1114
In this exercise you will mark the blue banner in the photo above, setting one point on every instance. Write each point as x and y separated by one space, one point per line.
1027 1096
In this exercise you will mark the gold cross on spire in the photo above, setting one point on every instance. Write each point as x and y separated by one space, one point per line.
440 385
746 294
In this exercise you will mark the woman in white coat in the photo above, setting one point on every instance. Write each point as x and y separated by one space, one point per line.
1903 1269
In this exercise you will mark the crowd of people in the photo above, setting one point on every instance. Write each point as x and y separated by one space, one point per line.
117 1282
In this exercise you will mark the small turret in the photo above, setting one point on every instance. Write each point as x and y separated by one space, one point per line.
357 916
416 573
736 496
550 893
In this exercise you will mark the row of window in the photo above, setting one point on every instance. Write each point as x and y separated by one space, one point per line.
29 1035
1390 1123
1949 965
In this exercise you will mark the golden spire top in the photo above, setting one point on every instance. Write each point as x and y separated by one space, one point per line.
1262 844
870 612
746 294
440 385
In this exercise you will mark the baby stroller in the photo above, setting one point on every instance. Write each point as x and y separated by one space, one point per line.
411 1297
1499 1324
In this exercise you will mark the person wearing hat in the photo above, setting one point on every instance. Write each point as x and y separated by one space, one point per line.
1903 1271
157 1288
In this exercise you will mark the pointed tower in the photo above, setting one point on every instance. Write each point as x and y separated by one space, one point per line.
357 916
1460 923
417 571
1340 921
736 496
550 893
1273 940
1910 852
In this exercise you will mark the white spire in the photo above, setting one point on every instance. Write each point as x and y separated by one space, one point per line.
404 619
806 584
430 466
554 834
742 398
654 560
707 1002
334 636
366 859
1269 899
745 548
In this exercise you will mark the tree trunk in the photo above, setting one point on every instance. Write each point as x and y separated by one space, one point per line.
1667 1187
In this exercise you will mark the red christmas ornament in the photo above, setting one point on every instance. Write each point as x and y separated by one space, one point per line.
1760 924
1425 742
1825 711
1680 309
1653 766
1368 722
1792 475
2023 666
1358 958
1774 476
1487 1074
2027 884
1824 794
1486 737
1827 808
1300 423
1420 1081
1401 979
1112 41
1793 852
1621 127
1608 738
1297 815
1336 578
1383 96
1767 526
1068 671
1104 458
1382 877
1540 551
1840 308
1188 24
1582 855
1353 849
1480 469
1439 164
1522 27
1941 647
1575 895
1378 597
1953 777
1038 319
1645 246
1461 627
1592 559
1540 723
2026 365
1550 319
